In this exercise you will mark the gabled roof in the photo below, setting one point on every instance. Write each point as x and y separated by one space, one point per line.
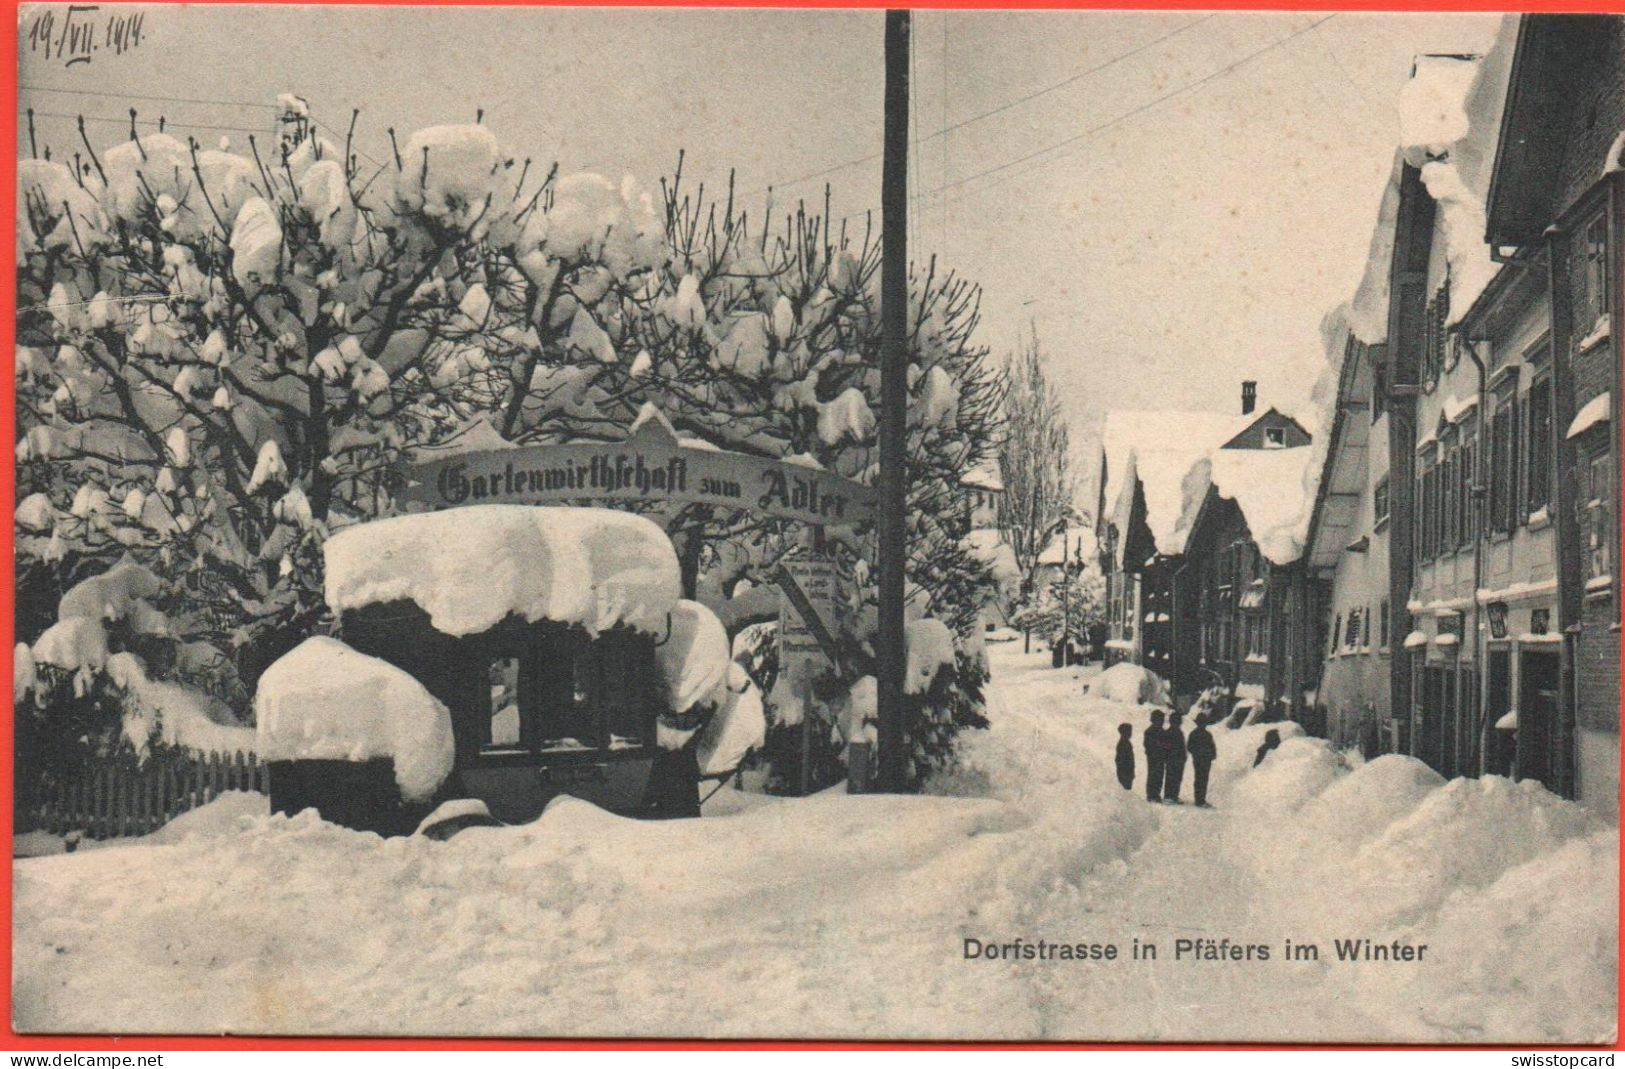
1253 419
1553 53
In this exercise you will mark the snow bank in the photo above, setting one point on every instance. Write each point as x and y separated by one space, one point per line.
470 568
325 701
1289 777
1548 926
1374 795
1131 684
1466 833
230 813
695 656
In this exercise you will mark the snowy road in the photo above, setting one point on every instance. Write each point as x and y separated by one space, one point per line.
846 916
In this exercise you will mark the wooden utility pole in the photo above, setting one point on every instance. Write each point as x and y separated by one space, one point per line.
890 653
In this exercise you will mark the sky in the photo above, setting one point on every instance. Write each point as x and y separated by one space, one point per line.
1171 200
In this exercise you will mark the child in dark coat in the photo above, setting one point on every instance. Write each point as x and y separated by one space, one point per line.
1125 756
1203 752
1156 750
1174 769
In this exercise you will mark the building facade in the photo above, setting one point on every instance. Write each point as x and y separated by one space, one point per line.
1468 500
1346 560
1556 209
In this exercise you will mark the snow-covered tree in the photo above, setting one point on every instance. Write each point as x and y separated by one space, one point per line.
224 355
1070 604
1039 484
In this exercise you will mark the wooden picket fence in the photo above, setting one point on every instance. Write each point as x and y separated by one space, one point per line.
117 798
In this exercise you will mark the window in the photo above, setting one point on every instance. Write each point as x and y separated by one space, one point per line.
1337 634
1435 335
1275 437
1592 295
1253 629
1379 388
1539 451
1382 624
1467 458
1379 503
1351 637
505 702
1503 466
1448 496
1596 494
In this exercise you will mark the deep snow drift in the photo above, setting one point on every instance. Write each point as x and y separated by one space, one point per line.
846 916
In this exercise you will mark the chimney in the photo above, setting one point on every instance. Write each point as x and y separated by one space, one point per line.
1249 397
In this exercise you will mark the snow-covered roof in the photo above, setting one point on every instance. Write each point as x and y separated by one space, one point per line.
469 568
1593 412
325 701
1158 449
1275 498
985 476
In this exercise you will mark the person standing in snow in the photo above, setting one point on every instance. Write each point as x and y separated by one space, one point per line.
1155 749
1202 750
1125 756
1174 770
1272 739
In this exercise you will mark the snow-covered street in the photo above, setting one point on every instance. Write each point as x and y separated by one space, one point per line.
848 915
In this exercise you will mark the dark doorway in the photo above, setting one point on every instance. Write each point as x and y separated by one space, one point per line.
1502 744
1538 675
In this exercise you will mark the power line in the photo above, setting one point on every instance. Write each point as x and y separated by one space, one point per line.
125 121
961 124
318 120
1101 127
144 96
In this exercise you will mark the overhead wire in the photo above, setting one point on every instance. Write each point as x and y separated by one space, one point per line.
1111 123
949 128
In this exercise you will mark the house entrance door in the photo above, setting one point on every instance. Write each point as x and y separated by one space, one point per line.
1537 715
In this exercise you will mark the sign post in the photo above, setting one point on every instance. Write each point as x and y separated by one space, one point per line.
806 643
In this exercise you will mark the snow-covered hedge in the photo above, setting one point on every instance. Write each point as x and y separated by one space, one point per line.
325 701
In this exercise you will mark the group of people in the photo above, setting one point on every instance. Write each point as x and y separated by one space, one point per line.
1166 750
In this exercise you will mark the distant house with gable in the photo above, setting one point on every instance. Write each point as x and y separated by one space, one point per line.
1204 587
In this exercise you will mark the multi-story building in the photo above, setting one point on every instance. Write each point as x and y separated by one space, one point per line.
1346 559
1145 456
1468 474
1556 210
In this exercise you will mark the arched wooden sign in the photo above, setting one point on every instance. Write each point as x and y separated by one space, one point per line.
652 466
